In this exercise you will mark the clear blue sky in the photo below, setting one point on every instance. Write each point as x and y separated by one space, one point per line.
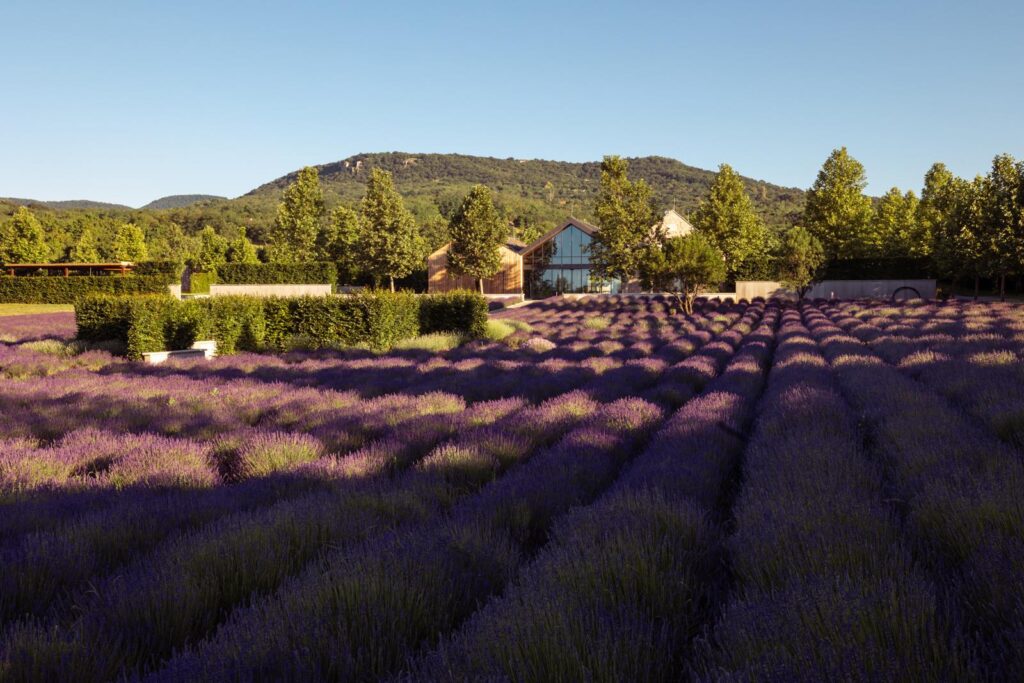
129 101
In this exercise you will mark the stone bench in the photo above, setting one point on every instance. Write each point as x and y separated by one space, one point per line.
200 349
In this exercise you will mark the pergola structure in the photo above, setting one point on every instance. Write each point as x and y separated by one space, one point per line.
66 269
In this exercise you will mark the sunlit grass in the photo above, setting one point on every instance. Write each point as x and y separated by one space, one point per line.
28 309
436 342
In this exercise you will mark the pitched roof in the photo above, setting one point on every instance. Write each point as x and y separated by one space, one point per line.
511 243
582 225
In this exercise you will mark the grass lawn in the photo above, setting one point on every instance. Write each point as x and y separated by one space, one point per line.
24 309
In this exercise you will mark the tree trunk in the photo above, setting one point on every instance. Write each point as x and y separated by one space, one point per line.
392 278
480 283
1002 287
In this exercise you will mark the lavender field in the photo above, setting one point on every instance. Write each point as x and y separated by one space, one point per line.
614 492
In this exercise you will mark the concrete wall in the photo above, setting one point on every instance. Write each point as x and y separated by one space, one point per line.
840 289
270 290
175 291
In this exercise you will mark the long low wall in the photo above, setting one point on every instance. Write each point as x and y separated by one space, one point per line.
270 290
842 289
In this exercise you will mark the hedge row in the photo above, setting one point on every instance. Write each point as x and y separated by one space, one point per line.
53 289
317 273
238 323
170 270
461 311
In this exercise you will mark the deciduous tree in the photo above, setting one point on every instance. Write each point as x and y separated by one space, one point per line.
129 243
625 214
339 242
477 231
390 245
86 248
801 260
22 239
292 238
241 250
895 228
728 219
212 251
686 266
837 212
1001 228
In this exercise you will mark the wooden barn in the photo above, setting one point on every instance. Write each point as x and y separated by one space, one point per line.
508 280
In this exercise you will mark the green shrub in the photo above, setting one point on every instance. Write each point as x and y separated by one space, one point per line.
390 317
151 324
199 283
53 289
169 270
458 311
316 273
101 317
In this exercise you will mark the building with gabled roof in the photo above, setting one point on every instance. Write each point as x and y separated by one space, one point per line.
558 262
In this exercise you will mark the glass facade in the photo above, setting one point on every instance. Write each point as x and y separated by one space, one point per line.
562 265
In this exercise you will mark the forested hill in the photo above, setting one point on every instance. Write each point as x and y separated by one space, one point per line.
538 189
67 204
178 201
535 196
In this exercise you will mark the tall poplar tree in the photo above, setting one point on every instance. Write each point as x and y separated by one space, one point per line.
292 237
625 214
837 212
129 243
728 219
390 244
477 231
22 239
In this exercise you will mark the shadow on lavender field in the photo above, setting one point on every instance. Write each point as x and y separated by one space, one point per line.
613 491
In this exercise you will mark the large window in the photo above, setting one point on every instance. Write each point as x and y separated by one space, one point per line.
562 266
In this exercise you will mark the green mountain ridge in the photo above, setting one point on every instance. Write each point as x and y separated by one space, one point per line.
549 188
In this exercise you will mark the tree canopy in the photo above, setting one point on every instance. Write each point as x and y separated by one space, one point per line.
477 232
801 260
390 245
728 219
686 265
130 243
22 240
837 212
292 238
625 214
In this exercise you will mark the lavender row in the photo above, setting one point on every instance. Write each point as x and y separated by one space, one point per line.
182 591
825 586
958 489
627 581
982 375
520 507
359 613
42 566
22 640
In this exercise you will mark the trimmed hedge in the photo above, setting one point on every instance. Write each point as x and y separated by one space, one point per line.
54 289
377 319
170 270
459 311
317 273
